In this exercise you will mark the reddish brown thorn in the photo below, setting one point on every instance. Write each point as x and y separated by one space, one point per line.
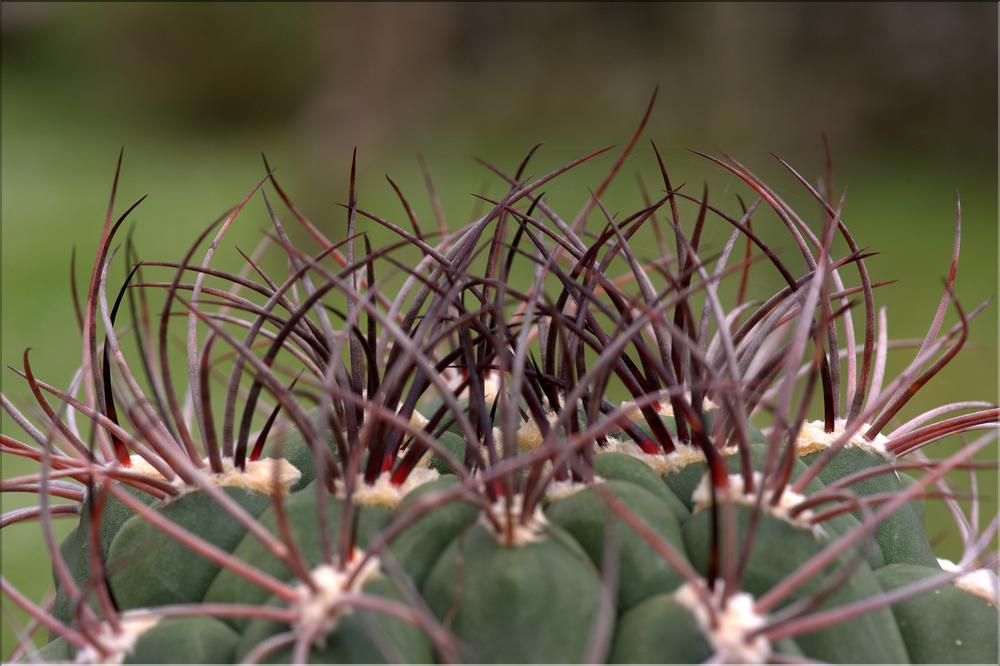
34 512
208 424
919 382
442 222
121 451
71 636
909 442
582 216
949 281
406 207
649 446
74 291
258 446
303 220
874 500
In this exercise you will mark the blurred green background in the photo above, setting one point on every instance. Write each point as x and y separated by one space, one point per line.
907 94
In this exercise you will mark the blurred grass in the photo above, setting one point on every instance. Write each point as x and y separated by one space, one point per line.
59 142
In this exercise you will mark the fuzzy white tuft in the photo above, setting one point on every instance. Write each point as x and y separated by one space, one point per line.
258 475
512 531
529 435
666 407
558 490
120 643
736 620
384 492
701 498
317 615
813 437
982 583
664 463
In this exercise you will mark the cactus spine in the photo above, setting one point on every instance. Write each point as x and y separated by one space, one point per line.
608 460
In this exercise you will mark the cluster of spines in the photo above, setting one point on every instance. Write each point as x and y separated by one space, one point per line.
398 373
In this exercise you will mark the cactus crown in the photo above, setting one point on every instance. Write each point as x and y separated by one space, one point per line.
448 470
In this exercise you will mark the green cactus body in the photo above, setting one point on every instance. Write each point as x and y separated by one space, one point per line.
660 630
75 547
194 640
466 571
901 537
516 603
353 637
663 630
302 515
419 546
587 518
198 640
947 625
455 445
621 467
777 550
159 569
687 478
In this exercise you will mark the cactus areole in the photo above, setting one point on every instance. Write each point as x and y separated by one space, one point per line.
544 436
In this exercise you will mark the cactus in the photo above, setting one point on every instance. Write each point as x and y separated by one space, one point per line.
414 453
